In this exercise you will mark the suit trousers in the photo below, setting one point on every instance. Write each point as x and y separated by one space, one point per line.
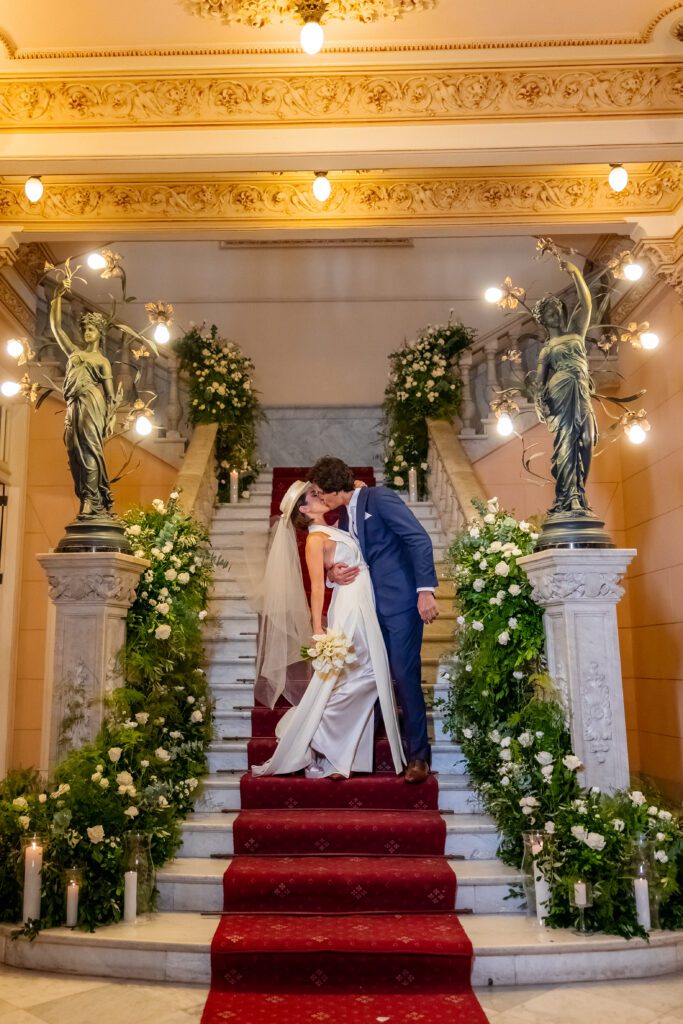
403 638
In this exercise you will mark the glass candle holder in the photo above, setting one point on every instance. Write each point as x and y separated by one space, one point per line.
73 881
33 849
139 878
535 884
644 889
581 897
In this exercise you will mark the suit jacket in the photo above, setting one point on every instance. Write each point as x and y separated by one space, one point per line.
396 547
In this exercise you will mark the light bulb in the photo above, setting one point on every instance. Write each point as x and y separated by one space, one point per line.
493 294
33 189
161 333
96 261
14 348
312 38
10 388
618 178
143 426
321 187
635 433
649 339
633 271
505 426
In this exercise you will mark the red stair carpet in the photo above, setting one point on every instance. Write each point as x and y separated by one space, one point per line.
339 901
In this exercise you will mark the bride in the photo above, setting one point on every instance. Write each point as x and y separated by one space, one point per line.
330 731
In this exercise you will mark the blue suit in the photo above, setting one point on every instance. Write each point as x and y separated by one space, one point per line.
399 554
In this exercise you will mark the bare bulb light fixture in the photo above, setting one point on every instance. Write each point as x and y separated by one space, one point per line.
143 426
633 271
493 294
10 388
96 261
321 186
649 340
33 189
618 178
14 348
161 334
635 433
505 426
312 36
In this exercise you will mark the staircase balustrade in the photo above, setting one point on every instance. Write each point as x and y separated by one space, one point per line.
453 483
196 481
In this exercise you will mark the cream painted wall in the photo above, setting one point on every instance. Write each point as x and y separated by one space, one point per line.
639 493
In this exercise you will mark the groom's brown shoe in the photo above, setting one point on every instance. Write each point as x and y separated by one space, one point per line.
417 771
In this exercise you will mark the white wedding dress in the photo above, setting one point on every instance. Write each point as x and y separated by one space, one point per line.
333 726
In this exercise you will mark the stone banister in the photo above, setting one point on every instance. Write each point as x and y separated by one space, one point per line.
196 480
453 482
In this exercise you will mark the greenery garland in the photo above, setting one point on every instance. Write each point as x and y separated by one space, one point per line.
222 391
504 710
142 771
423 382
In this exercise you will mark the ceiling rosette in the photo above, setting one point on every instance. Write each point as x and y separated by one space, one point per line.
258 13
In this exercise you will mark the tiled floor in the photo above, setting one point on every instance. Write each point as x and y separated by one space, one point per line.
27 997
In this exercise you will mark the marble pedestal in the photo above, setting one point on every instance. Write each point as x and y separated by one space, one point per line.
90 595
579 590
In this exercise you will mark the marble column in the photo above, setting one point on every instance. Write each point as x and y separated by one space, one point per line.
90 594
579 590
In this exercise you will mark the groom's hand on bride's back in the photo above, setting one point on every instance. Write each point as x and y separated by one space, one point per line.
342 573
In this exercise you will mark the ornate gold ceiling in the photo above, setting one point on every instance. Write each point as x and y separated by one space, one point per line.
434 197
342 96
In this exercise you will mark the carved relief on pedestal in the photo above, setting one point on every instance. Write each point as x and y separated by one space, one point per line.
564 586
74 708
597 713
92 586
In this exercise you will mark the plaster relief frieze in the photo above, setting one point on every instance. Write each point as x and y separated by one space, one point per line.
405 95
16 307
597 713
92 587
563 586
439 196
665 256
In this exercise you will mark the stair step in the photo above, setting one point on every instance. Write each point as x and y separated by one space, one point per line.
232 755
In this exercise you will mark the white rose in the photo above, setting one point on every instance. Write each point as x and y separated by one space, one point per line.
144 764
42 798
20 803
579 832
399 481
524 526
483 563
478 626
580 806
114 754
124 779
618 825
504 637
505 742
652 811
547 771
525 739
163 608
95 833
135 530
489 518
478 585
572 763
514 589
174 495
505 781
512 623
468 734
24 820
665 815
460 620
163 802
660 837
190 699
162 632
595 841
142 717
661 856
505 754
131 812
545 757
502 569
637 798
158 505
495 546
96 776
549 827
170 575
183 577
468 668
474 532
162 754
202 615
196 716
104 783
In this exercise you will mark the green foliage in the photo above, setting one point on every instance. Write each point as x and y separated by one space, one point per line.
222 392
423 382
505 711
143 768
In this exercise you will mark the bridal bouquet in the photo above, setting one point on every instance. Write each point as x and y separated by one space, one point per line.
329 653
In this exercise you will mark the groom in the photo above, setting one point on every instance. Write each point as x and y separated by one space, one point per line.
399 554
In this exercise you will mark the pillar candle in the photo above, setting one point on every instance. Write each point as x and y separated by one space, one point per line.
234 486
33 865
580 895
541 887
412 485
642 893
72 904
130 896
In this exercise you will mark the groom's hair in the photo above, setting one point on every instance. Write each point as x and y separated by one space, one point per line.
330 475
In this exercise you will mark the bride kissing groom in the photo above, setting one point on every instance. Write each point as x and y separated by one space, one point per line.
379 564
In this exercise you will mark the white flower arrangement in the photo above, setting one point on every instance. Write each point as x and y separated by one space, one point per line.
330 653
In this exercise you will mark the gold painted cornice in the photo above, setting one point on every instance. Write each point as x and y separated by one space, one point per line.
341 96
440 196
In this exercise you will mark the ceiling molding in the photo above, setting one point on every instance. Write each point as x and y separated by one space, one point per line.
340 97
438 196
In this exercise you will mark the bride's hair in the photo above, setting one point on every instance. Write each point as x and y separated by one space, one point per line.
299 519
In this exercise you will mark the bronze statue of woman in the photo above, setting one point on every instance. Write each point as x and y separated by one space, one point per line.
90 409
563 401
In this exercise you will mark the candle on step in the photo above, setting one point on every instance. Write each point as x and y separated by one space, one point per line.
234 486
72 904
642 894
130 896
580 894
33 867
412 485
541 887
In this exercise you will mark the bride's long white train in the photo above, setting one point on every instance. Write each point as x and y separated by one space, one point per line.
335 718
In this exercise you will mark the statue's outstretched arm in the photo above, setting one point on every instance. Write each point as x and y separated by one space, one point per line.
581 317
61 337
